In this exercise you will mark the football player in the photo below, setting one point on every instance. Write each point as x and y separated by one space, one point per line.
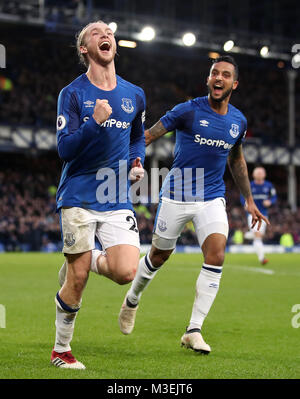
100 138
264 194
209 132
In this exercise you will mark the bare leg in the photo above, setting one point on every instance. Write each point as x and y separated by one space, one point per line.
120 263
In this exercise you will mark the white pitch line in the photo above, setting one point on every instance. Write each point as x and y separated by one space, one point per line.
251 269
245 268
236 267
288 274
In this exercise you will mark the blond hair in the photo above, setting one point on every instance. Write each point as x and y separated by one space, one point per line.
80 41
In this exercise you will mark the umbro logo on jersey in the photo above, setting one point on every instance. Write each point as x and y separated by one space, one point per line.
89 104
127 105
204 123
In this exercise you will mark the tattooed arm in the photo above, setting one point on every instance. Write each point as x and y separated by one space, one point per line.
238 168
155 132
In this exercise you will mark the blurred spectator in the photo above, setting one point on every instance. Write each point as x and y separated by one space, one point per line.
27 212
238 237
286 239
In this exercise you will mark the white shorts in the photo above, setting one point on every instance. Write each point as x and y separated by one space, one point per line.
80 226
208 217
262 229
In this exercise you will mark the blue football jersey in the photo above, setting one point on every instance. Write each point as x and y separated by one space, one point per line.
204 139
98 157
260 193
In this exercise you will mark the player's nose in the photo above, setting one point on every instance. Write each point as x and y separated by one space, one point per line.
104 35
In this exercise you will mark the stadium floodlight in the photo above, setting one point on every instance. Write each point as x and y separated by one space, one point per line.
147 34
228 45
264 51
213 55
127 43
296 61
113 26
189 39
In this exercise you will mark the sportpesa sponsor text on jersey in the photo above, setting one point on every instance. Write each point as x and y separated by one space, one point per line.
87 147
203 141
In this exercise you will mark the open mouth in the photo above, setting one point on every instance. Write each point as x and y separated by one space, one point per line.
218 88
104 46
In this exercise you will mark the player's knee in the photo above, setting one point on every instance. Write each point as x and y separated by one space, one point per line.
126 275
215 258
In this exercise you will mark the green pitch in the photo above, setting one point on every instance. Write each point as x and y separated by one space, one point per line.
249 327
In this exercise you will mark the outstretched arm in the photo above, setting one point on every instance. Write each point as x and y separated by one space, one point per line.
238 168
155 132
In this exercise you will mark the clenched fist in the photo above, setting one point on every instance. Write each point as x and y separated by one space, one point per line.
102 111
137 171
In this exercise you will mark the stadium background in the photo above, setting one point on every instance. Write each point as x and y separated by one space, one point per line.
253 327
41 59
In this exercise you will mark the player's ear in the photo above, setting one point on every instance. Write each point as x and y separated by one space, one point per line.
235 84
83 49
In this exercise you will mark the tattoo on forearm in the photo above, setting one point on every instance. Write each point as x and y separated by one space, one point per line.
239 171
154 132
157 130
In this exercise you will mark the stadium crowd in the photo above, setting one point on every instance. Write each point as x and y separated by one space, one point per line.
38 74
28 221
27 184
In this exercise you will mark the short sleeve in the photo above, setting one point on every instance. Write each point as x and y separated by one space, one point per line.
174 119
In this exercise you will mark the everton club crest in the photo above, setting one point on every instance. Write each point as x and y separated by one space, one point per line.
127 105
69 239
162 225
234 131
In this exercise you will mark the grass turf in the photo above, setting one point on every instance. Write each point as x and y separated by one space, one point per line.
249 326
